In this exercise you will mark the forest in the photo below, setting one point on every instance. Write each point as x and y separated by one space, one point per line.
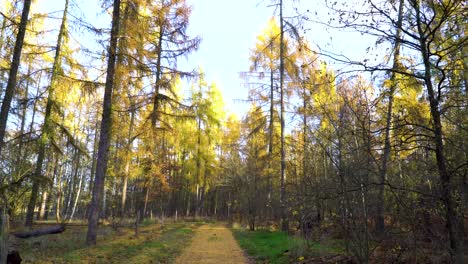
341 160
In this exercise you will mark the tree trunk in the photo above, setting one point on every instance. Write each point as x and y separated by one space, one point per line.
154 116
12 75
46 128
284 217
93 158
127 161
3 234
24 106
453 209
43 205
72 188
58 201
380 217
145 206
198 168
77 198
270 144
106 125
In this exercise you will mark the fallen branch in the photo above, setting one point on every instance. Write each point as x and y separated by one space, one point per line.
40 232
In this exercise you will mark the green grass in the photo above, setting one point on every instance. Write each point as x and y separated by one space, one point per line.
154 244
277 247
265 245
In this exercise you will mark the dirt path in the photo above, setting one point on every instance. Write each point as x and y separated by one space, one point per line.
213 244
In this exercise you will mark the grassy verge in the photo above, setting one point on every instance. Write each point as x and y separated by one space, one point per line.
277 247
154 244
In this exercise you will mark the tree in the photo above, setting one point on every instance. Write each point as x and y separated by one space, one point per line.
9 93
106 124
380 219
426 32
425 35
266 64
47 127
12 76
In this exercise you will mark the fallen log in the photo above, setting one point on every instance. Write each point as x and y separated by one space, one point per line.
40 232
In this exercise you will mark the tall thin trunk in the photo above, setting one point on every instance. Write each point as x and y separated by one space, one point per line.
453 208
203 188
77 198
345 199
270 142
24 109
46 128
104 203
94 156
58 201
54 181
304 131
187 212
2 36
42 209
45 195
106 124
12 75
72 182
145 206
380 217
198 167
284 217
5 109
128 148
4 234
33 118
156 100
124 187
2 41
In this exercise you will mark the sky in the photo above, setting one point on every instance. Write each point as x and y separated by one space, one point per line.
228 30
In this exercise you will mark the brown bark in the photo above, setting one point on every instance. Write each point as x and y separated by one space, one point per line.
58 201
453 210
12 75
106 125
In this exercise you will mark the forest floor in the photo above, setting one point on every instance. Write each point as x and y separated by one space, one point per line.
155 243
213 244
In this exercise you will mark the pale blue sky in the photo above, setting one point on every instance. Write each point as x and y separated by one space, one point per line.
228 29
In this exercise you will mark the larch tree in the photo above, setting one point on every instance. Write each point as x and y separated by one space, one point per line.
47 126
7 98
12 75
105 133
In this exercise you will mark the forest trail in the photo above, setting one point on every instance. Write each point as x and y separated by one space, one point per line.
213 244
